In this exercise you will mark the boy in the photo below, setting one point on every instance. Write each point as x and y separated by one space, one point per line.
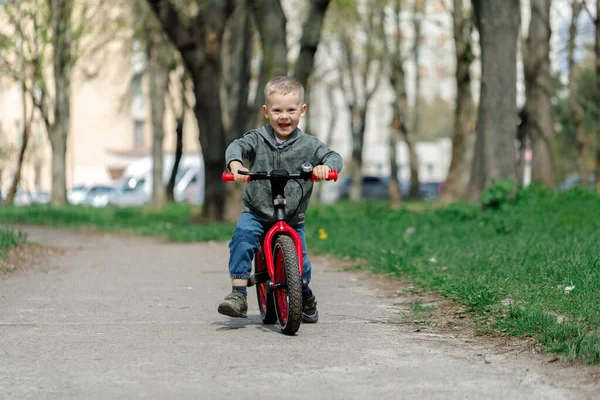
281 144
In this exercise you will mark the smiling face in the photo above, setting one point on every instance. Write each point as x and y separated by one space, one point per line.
284 112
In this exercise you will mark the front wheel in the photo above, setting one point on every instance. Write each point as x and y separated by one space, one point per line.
287 286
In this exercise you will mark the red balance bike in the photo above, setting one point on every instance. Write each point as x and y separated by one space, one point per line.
278 261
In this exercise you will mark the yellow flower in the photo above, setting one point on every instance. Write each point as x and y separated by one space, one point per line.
322 234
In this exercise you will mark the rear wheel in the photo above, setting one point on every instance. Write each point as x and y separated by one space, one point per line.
266 304
287 292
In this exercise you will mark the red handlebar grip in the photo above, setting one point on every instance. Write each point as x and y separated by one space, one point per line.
333 175
227 177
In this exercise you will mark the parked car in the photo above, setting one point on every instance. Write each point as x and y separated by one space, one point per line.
88 194
135 186
76 194
97 196
574 180
376 187
129 193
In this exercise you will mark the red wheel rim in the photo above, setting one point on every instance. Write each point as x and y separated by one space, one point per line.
282 297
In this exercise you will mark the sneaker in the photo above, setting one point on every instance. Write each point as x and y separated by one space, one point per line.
310 315
234 305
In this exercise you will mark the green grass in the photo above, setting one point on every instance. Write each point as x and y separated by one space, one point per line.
528 267
10 238
172 222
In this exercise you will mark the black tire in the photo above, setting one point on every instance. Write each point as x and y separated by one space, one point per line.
288 299
266 303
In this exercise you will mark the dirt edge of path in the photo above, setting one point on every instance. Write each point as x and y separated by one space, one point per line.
430 313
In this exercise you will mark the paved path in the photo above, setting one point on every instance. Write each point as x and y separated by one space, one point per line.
136 318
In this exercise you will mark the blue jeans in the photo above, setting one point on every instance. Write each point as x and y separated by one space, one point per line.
244 245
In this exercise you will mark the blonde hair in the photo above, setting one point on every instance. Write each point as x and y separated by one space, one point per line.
284 85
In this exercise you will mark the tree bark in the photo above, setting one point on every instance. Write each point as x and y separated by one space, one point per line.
539 120
200 47
359 115
597 48
240 59
398 84
419 11
10 196
498 26
158 83
330 130
457 180
394 192
178 154
397 81
311 34
574 104
61 14
271 24
179 121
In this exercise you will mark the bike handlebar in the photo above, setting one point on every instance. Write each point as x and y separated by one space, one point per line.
255 176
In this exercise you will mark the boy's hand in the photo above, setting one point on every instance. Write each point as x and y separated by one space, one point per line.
321 172
235 167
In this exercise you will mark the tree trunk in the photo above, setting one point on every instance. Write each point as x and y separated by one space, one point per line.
24 142
330 131
179 120
498 26
539 123
522 129
456 185
398 83
158 84
61 13
200 48
394 192
358 138
238 71
179 123
419 11
597 46
574 104
240 60
311 34
270 21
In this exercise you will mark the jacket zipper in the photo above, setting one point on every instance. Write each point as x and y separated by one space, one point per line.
278 158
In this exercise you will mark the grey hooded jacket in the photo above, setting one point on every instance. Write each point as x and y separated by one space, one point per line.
259 147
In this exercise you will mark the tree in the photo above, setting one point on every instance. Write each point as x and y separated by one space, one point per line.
199 44
418 16
498 26
458 173
179 111
597 50
56 34
397 79
359 60
538 118
199 40
576 108
27 111
21 63
311 35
